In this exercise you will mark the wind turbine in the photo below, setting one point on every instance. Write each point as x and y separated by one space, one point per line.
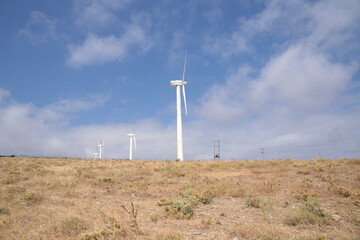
132 138
180 83
101 146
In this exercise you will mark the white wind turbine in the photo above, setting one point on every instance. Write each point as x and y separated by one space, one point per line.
178 84
132 138
101 146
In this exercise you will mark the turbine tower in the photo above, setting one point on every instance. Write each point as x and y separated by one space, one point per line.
101 146
180 83
132 139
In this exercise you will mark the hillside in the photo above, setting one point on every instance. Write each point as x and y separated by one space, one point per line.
62 198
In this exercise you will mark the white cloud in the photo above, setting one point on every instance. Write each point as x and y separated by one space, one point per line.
227 45
76 105
214 15
326 24
224 103
335 25
39 29
30 130
27 129
301 78
4 94
291 108
97 50
97 13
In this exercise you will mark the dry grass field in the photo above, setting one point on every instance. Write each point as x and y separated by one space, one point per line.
93 199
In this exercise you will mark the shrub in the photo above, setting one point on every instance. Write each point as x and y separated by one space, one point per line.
253 201
113 230
173 171
179 206
313 206
155 217
304 172
207 223
301 216
31 197
79 171
310 213
4 210
206 197
164 202
73 226
303 195
343 192
183 207
104 179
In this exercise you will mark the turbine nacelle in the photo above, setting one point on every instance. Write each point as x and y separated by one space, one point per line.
177 83
101 145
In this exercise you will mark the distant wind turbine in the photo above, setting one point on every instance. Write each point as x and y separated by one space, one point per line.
101 146
178 84
132 138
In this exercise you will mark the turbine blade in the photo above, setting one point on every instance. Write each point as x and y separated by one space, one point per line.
184 95
183 77
135 142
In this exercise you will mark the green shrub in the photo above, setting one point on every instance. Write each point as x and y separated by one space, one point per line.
79 171
183 207
31 197
113 230
310 213
252 201
301 217
104 179
313 206
4 210
179 207
206 197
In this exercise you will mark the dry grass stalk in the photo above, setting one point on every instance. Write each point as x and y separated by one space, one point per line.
133 214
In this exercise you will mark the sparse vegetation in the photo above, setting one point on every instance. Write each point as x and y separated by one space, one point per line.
343 191
31 198
104 179
309 213
168 236
108 199
4 210
73 226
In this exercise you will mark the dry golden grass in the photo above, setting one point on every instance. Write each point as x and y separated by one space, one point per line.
89 199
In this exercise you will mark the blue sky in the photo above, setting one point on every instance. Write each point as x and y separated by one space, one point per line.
279 75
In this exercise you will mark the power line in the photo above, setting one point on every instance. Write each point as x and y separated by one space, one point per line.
217 149
262 152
